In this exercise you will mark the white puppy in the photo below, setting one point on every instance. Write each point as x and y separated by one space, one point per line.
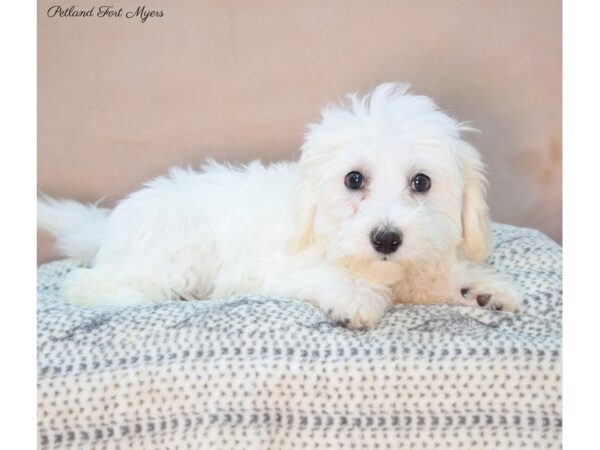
386 204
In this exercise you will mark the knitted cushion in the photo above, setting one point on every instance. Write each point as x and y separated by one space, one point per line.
256 372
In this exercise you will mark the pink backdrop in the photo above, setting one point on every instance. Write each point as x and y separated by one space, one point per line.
121 101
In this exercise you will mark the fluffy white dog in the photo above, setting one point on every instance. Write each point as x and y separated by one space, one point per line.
386 204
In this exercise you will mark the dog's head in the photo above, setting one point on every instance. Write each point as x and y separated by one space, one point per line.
388 181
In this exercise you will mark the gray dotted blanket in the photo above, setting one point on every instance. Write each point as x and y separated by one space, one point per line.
254 372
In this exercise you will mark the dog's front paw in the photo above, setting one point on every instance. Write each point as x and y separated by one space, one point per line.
360 308
492 293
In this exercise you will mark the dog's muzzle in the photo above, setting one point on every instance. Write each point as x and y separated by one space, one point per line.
386 240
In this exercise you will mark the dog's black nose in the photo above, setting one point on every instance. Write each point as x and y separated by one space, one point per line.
386 240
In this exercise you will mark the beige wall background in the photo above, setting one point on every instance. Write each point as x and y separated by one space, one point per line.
119 101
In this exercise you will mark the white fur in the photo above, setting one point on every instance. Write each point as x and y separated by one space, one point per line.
293 229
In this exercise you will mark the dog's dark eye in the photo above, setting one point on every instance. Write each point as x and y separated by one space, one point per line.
421 183
354 180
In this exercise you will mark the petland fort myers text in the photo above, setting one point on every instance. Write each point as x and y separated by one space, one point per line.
104 12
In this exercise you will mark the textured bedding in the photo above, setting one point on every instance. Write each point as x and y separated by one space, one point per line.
255 372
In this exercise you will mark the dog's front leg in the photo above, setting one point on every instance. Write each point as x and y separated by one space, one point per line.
353 302
482 286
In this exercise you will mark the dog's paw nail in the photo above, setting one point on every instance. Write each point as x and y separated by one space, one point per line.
464 292
343 322
483 299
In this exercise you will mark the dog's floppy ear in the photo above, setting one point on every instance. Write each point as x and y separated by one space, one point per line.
305 201
321 141
305 210
316 151
476 234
